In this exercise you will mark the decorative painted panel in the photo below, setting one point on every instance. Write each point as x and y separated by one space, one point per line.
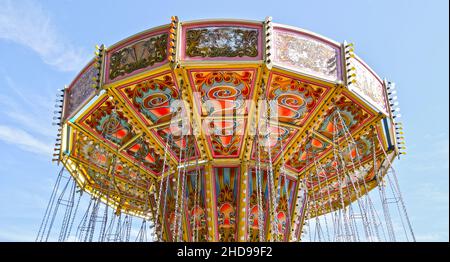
99 180
97 162
168 207
368 85
322 173
130 187
142 53
344 186
108 122
331 127
222 92
115 189
222 42
80 91
257 196
227 202
225 136
184 145
304 156
274 137
296 98
356 160
94 154
287 188
345 111
362 151
90 151
195 210
144 155
152 98
307 53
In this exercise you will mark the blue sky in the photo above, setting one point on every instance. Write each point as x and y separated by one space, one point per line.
44 44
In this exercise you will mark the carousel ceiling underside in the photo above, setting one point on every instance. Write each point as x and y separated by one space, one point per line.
123 115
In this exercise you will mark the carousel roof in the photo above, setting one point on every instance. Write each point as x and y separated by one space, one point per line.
188 95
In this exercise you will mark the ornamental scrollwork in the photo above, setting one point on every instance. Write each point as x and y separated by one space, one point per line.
222 42
140 55
80 91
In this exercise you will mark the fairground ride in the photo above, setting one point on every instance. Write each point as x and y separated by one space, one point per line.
227 130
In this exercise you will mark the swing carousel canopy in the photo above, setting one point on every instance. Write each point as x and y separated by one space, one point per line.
231 113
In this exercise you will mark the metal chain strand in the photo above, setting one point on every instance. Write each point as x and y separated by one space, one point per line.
157 225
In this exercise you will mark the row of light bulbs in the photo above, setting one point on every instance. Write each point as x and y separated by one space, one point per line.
268 24
348 55
57 118
395 110
99 54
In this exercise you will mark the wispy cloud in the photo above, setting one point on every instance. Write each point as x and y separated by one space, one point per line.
29 121
24 140
26 23
35 117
